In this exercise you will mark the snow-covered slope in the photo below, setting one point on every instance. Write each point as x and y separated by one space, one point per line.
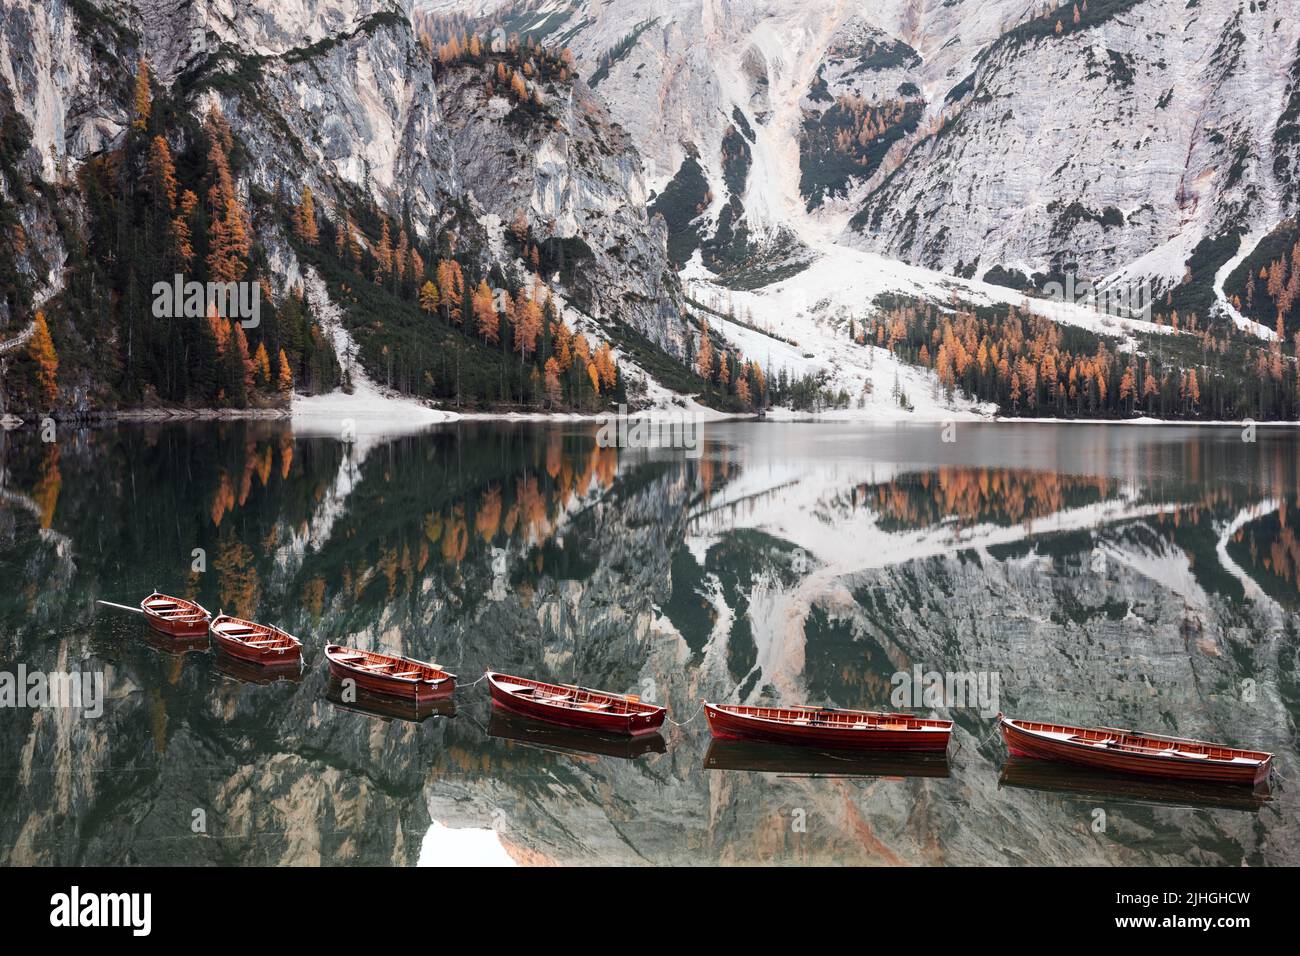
801 325
366 410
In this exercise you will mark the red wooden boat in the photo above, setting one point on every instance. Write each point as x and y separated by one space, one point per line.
827 728
389 674
261 644
1125 751
578 707
175 617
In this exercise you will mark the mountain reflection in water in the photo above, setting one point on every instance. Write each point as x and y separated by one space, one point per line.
1143 577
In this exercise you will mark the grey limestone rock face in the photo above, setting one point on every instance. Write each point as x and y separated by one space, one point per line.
1136 130
340 95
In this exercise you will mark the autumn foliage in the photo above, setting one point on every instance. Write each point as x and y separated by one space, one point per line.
1029 365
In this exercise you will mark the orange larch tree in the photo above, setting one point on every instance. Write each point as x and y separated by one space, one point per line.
40 348
486 319
143 97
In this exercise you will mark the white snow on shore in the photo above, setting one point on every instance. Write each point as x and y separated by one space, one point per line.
1143 420
368 409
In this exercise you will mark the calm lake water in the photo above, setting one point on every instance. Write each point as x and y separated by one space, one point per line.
1127 576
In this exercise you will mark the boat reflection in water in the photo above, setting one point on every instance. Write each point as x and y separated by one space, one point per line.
248 673
505 725
174 646
757 757
386 707
1026 773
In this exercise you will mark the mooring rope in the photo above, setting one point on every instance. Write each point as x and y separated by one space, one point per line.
982 741
683 723
997 725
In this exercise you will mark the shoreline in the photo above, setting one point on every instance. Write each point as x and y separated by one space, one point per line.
1146 420
312 410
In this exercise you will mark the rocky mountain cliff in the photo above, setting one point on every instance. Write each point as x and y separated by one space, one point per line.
962 136
576 177
338 97
1131 130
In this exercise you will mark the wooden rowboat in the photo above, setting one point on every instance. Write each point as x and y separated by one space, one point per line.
175 617
262 644
389 674
827 728
578 707
1124 751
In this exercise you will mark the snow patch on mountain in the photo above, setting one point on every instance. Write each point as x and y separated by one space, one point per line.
369 408
1248 244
